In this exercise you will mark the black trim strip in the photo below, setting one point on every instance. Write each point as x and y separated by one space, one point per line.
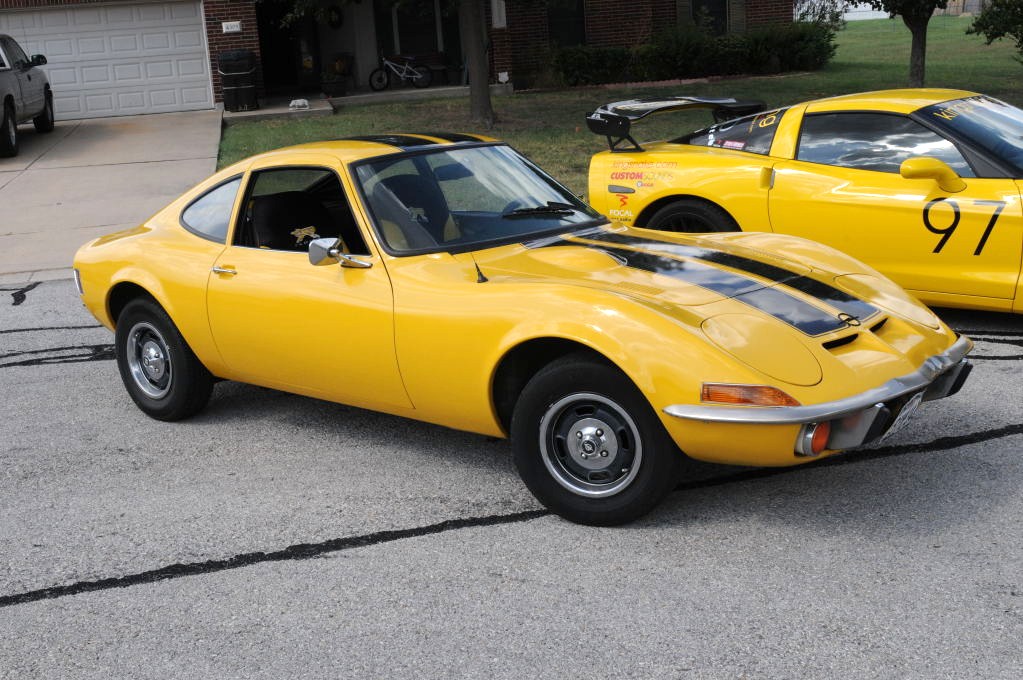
399 141
840 300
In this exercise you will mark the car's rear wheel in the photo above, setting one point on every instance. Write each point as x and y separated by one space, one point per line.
44 121
162 375
589 446
8 133
691 216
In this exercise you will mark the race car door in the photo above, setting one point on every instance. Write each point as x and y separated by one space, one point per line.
844 188
280 321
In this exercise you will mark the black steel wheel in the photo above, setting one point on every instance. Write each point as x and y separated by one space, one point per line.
423 77
379 79
44 121
691 216
589 446
8 133
162 375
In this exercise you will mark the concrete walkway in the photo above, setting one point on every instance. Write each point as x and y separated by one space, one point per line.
93 177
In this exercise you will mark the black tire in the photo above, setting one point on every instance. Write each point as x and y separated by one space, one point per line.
162 375
691 216
8 133
44 121
379 79
589 446
424 76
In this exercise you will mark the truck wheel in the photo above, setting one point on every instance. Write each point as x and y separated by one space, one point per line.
44 121
9 133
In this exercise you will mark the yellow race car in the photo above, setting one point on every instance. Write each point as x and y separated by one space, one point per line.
448 279
922 184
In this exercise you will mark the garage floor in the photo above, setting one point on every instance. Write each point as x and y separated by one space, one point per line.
93 177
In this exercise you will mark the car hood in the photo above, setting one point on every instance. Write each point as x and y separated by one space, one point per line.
697 270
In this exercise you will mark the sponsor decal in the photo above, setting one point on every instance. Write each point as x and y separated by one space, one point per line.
640 184
626 175
623 200
617 214
643 165
733 144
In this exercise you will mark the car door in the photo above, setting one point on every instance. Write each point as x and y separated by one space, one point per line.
844 188
29 80
278 320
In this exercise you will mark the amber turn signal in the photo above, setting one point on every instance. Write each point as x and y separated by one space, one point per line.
746 395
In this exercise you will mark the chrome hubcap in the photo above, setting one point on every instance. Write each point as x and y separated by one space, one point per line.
590 445
148 360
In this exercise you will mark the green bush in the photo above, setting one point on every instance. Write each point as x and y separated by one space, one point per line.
688 52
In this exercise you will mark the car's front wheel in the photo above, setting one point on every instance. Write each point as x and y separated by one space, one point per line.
44 121
691 216
9 133
162 375
589 446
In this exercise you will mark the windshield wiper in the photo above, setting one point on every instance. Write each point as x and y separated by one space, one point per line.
553 208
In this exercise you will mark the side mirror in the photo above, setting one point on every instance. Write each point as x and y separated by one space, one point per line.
923 167
328 251
37 60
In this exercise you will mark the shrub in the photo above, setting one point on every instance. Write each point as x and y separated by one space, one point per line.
688 52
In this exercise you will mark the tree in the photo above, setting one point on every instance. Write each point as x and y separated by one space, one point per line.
1001 19
915 14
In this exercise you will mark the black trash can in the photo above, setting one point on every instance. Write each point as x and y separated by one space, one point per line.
237 69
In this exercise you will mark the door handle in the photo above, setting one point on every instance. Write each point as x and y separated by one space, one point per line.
222 270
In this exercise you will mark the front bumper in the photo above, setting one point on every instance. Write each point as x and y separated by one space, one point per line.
858 419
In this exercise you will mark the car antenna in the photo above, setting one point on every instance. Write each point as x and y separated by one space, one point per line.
479 274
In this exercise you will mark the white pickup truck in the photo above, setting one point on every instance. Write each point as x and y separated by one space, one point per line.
24 92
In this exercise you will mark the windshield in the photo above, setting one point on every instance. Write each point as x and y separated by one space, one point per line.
982 121
465 198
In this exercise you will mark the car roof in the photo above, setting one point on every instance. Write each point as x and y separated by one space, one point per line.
894 101
359 147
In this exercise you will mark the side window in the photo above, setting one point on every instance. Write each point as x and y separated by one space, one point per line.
286 208
14 52
753 134
873 141
210 214
3 62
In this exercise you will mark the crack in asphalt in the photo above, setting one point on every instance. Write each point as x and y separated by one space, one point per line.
72 355
19 293
303 551
48 328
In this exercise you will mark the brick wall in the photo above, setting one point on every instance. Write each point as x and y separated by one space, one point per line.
621 24
218 11
765 12
523 48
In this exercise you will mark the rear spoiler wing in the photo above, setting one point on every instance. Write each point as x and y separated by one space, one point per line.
614 120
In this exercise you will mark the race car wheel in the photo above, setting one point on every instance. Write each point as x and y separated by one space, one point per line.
44 121
423 77
8 133
379 80
691 216
162 375
588 446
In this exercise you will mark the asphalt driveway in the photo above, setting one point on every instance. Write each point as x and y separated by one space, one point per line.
93 177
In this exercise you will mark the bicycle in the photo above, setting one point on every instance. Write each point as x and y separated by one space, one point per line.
380 78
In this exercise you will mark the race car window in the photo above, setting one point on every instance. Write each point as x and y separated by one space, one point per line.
984 122
753 134
873 141
209 215
287 208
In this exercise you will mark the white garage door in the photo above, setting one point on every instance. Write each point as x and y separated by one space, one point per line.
118 60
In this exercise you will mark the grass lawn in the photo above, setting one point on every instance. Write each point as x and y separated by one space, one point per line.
549 126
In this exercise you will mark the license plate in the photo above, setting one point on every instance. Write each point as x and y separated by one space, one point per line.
905 414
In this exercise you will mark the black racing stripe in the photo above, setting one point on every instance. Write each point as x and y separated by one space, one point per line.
839 299
797 313
400 141
451 136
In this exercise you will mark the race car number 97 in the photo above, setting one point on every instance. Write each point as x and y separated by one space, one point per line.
946 232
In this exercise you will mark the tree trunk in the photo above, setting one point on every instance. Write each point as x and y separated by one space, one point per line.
470 23
917 26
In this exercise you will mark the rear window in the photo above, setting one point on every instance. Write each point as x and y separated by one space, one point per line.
984 122
753 134
210 214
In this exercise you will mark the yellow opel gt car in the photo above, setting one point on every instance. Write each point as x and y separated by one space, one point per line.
446 278
923 184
